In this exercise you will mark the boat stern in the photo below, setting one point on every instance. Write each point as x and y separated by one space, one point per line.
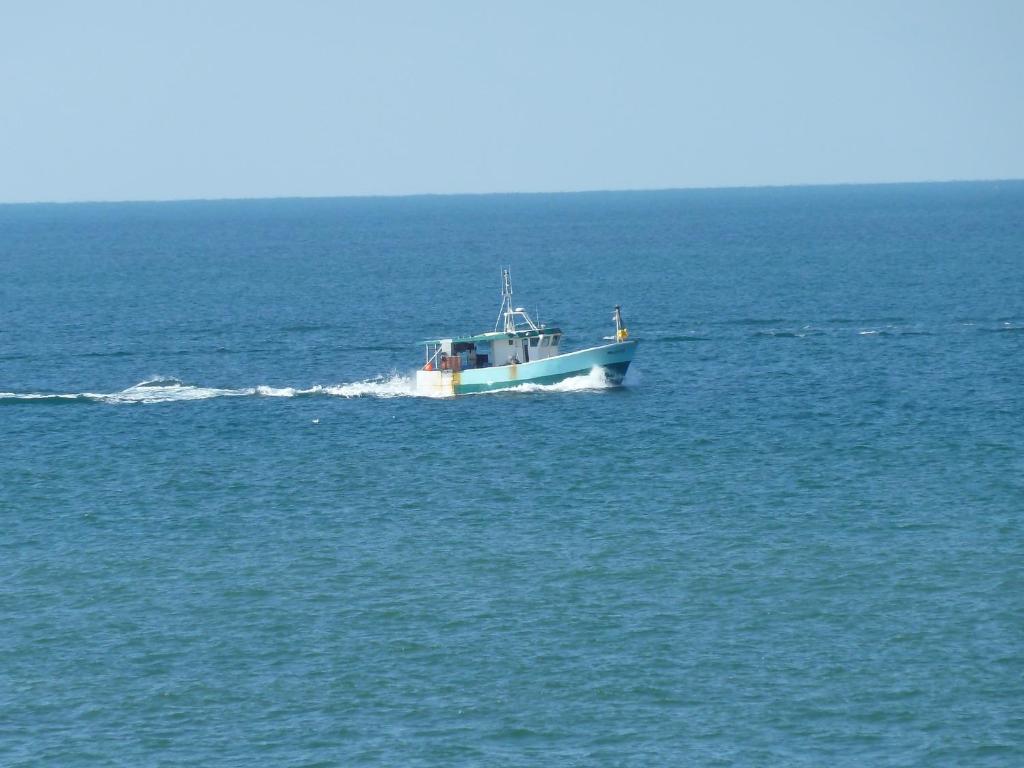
436 383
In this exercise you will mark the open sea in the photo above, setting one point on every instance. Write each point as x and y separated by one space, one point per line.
233 536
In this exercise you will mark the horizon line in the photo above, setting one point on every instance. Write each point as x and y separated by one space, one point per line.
505 193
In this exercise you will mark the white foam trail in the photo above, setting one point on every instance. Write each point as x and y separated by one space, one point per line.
264 391
395 385
152 391
164 391
595 380
37 396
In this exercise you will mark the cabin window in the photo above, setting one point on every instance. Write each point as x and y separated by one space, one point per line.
554 340
534 340
545 341
510 342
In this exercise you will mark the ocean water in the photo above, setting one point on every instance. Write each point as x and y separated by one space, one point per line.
232 536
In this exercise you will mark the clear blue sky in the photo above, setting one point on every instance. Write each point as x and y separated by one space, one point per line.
160 100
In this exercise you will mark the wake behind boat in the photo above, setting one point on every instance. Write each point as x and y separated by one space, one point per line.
523 352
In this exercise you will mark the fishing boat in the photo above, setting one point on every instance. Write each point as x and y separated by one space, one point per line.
518 351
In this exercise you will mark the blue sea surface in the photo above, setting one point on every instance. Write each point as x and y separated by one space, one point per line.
232 535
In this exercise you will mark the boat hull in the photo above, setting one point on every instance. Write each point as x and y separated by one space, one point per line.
614 359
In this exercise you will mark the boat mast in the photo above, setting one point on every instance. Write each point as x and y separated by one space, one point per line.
621 334
506 310
509 312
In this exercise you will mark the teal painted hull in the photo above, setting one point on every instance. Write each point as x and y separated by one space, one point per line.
614 359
